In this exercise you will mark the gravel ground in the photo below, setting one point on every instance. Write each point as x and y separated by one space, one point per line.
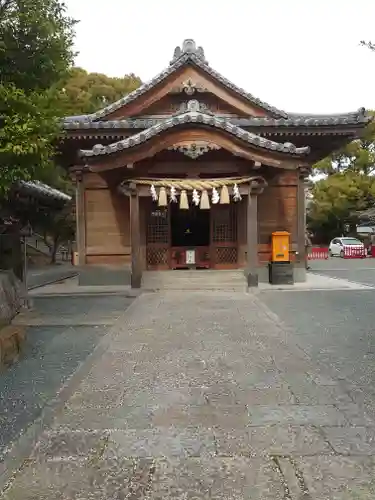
51 355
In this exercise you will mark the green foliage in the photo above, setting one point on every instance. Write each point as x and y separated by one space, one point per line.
349 186
36 40
83 93
336 200
358 156
35 53
27 129
57 228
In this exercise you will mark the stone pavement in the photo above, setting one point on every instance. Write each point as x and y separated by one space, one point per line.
62 334
203 395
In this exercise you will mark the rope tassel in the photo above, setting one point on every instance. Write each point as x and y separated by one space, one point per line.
184 202
205 201
224 196
163 202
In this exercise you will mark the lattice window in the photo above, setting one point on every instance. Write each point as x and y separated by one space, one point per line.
224 223
158 226
225 255
157 256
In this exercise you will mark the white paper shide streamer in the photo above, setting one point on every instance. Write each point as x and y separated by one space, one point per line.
173 194
236 193
215 196
196 197
154 194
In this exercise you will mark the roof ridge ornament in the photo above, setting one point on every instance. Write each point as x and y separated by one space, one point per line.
193 106
188 47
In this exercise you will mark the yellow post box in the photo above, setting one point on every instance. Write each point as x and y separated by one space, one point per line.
280 243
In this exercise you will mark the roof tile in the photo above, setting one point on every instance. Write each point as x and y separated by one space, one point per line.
195 116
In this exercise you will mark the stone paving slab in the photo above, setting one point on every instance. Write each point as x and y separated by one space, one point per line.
203 395
330 477
315 281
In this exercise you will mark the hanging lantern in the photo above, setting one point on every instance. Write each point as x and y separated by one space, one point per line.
215 196
236 193
224 196
163 202
184 202
154 194
196 197
205 201
173 194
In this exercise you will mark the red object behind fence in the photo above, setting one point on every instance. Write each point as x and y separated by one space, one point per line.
354 252
318 253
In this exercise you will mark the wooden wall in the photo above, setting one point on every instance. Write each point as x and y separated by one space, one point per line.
277 211
108 231
107 223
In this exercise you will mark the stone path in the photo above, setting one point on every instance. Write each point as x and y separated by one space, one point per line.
60 340
203 395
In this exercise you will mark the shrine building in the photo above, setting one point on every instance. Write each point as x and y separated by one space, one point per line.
191 171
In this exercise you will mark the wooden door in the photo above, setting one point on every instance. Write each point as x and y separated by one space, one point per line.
157 237
224 246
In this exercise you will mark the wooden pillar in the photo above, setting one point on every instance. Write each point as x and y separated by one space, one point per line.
135 235
252 239
301 219
80 219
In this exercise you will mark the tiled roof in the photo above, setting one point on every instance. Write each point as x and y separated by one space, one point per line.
38 188
189 52
356 118
194 115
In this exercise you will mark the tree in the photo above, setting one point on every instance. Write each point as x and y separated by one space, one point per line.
368 44
358 156
83 93
57 228
36 43
36 40
336 201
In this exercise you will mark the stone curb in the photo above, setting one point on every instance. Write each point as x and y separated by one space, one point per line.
88 294
22 448
56 279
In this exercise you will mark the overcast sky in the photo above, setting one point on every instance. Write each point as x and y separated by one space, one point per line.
297 55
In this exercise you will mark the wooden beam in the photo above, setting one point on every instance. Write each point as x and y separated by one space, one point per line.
135 235
252 238
301 220
80 220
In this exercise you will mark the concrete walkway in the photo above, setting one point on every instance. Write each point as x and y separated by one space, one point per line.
197 396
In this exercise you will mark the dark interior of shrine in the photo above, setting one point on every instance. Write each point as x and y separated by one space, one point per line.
190 228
